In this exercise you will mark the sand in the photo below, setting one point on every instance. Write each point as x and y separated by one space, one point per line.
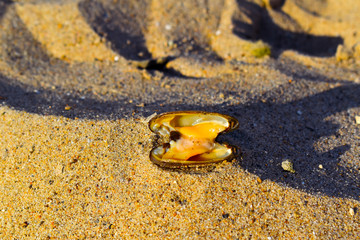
74 98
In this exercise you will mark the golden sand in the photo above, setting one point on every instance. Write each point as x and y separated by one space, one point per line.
71 178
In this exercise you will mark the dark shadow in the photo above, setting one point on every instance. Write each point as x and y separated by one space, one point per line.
154 64
171 72
121 24
159 64
278 38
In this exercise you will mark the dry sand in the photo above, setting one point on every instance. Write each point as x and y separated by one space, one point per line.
74 142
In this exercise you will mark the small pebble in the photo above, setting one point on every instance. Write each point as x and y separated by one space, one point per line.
352 211
357 120
287 165
168 27
170 43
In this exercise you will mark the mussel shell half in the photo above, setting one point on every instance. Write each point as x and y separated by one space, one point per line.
194 161
159 119
188 118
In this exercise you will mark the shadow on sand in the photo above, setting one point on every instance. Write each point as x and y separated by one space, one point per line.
278 38
271 130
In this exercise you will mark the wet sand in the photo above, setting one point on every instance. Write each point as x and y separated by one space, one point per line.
76 88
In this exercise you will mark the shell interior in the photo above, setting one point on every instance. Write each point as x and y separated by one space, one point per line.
190 138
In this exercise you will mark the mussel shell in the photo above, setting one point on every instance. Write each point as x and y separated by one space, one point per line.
233 122
175 163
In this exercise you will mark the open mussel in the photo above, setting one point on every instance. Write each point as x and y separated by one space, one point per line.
188 138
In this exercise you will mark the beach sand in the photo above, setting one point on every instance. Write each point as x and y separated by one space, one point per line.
77 86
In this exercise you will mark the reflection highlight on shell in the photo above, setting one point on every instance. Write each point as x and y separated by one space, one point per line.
188 138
